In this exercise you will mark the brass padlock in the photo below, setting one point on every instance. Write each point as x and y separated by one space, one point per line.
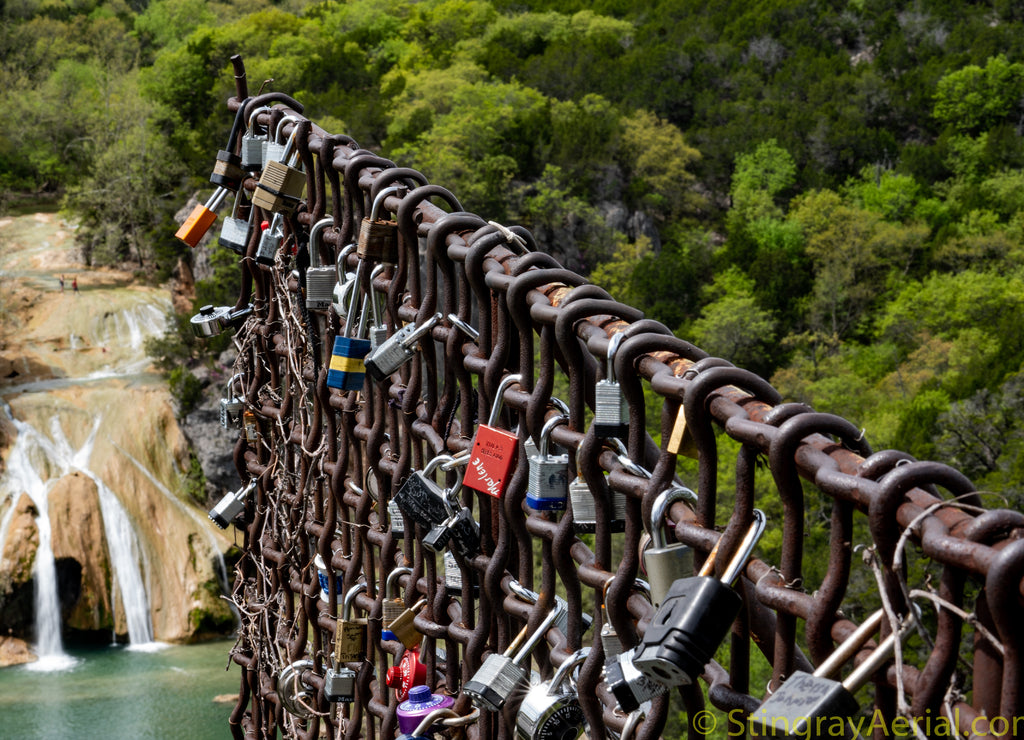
402 628
393 605
350 638
280 187
378 239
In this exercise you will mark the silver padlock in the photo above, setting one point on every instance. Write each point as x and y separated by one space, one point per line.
379 329
213 320
295 695
340 685
232 406
319 280
611 412
270 240
273 148
252 143
584 510
398 349
234 232
452 573
628 685
664 561
548 482
231 505
396 519
610 639
501 675
552 709
532 597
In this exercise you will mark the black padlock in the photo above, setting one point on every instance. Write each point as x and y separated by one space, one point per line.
694 618
629 686
421 499
808 705
227 171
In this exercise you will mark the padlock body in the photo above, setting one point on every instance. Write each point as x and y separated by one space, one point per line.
687 629
493 684
664 566
629 686
396 518
491 460
390 355
403 630
438 537
227 171
252 152
547 485
196 225
347 370
340 685
350 646
280 188
794 709
378 241
270 242
422 500
234 234
465 531
543 716
320 282
611 412
584 509
231 412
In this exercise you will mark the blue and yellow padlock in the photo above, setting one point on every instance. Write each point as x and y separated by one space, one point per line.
347 370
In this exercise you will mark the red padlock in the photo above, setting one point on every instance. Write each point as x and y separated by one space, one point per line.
408 673
494 450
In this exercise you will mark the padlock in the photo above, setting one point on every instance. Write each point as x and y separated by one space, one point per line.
501 675
408 673
494 450
295 695
319 280
234 232
552 709
584 509
212 320
460 530
346 282
232 406
227 170
201 219
664 561
379 329
694 618
271 236
252 143
396 519
453 577
548 482
421 499
393 604
681 441
420 703
629 686
610 639
378 239
347 370
281 183
323 579
273 147
611 412
350 634
231 505
251 426
340 685
812 705
402 628
562 622
398 349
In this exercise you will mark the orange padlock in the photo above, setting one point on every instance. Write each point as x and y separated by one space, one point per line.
201 219
494 450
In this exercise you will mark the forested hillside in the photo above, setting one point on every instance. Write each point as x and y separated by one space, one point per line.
828 193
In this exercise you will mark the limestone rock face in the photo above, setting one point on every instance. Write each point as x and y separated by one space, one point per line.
80 547
15 652
19 553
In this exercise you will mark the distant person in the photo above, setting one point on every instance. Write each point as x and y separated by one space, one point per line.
61 283
74 284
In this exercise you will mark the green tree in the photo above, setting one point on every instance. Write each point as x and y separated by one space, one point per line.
732 325
973 99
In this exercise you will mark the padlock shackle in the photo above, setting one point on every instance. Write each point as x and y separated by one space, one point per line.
314 235
231 381
244 491
374 303
559 404
339 264
216 199
350 317
633 720
746 548
280 125
562 672
499 397
862 673
432 719
422 329
545 432
662 504
613 347
379 200
350 596
392 579
236 125
537 636
256 112
849 647
435 462
463 326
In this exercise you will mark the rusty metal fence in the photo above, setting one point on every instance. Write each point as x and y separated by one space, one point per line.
326 465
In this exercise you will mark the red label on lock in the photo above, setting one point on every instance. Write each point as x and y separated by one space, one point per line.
490 461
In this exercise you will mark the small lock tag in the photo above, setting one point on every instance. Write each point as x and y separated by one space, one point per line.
378 239
398 349
681 441
494 450
548 482
251 426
